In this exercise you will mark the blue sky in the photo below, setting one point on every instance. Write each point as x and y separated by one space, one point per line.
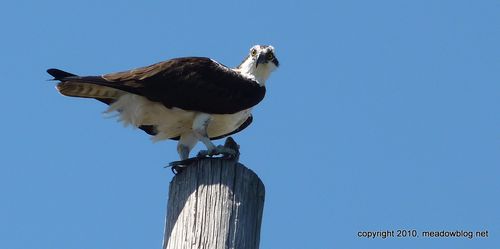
383 115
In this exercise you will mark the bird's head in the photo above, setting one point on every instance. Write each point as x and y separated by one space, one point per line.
259 63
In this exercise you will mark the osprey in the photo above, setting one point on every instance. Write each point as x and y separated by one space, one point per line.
188 99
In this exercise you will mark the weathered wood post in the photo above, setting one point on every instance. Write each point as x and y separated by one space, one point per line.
214 203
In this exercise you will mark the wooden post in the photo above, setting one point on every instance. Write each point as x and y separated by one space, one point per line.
214 203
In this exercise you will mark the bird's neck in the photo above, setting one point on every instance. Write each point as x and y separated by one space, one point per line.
259 74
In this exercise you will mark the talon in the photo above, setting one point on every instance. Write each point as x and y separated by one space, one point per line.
203 153
179 166
176 169
225 151
219 150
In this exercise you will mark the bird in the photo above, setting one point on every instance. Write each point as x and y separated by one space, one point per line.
189 99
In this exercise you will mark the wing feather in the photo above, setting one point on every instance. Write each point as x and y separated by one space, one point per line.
191 83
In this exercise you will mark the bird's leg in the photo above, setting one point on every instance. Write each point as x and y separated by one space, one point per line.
179 166
186 143
183 151
200 124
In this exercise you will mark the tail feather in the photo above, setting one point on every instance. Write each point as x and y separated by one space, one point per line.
88 86
60 74
84 87
85 90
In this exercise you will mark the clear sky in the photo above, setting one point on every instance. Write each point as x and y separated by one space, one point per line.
383 116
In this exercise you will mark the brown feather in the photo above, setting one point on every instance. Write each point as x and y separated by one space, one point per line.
139 73
85 90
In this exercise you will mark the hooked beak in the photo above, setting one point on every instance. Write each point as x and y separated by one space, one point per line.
260 60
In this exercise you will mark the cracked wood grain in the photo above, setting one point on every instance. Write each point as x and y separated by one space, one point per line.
214 203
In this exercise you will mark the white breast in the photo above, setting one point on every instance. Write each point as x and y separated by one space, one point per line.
170 122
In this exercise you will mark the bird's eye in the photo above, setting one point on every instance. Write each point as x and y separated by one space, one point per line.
270 56
253 52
